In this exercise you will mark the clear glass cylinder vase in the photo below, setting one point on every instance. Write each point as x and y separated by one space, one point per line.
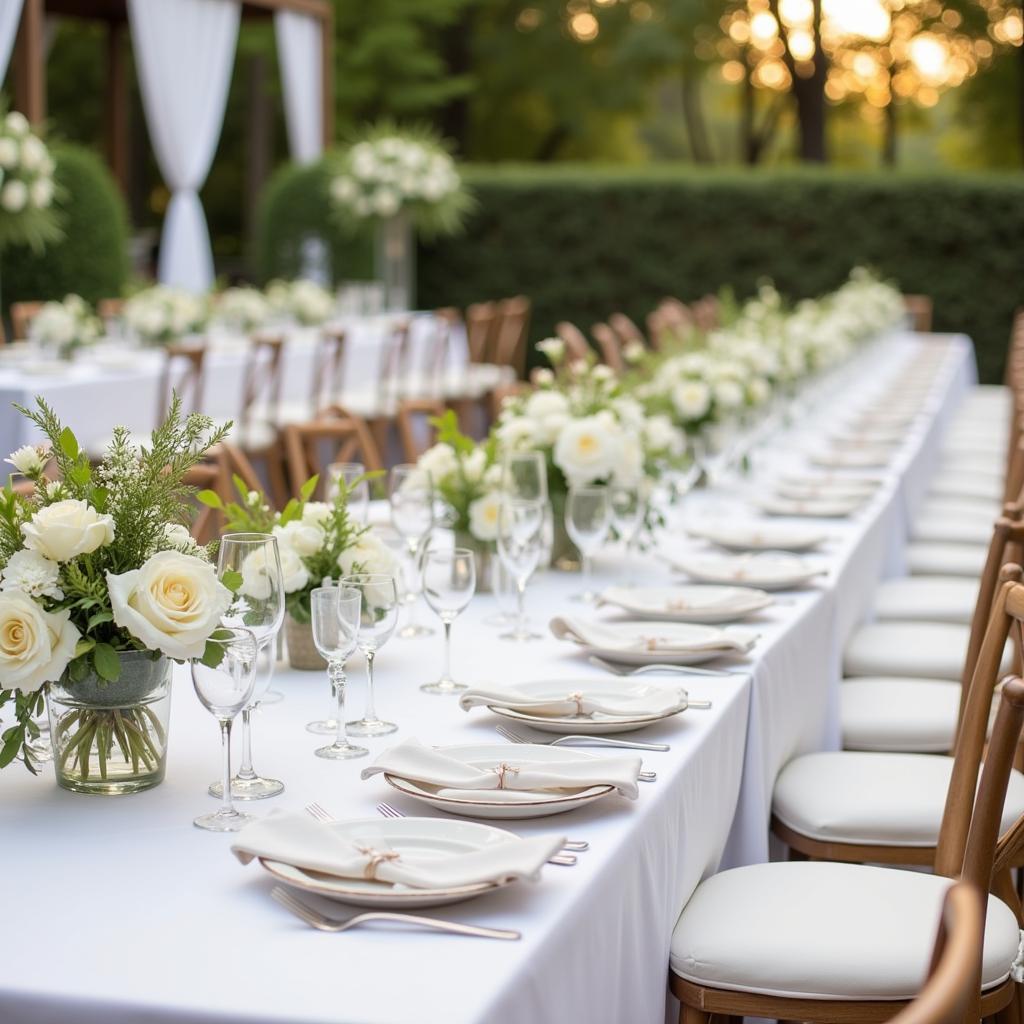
395 261
111 738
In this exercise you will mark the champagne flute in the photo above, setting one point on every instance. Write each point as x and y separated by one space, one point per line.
411 496
449 582
628 508
520 529
378 616
588 518
253 562
525 476
356 487
335 612
224 689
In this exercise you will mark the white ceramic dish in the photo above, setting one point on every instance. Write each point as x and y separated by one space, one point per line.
767 571
759 536
700 603
665 643
858 458
811 508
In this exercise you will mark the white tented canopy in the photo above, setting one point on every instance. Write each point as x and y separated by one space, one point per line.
10 15
300 56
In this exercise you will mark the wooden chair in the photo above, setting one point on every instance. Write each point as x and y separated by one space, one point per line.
414 415
22 315
609 345
576 345
705 312
183 373
512 332
347 435
328 369
256 430
217 474
626 329
919 307
481 331
110 309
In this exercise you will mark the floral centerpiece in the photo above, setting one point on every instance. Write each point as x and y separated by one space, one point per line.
302 300
27 190
401 182
159 314
318 541
101 585
242 309
64 327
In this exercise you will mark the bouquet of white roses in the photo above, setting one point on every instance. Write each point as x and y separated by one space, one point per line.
160 314
389 172
243 309
96 564
63 327
26 185
304 301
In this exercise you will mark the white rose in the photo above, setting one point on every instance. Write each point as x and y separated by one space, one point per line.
32 574
439 462
27 459
178 536
543 377
14 196
474 465
344 189
35 645
545 403
586 450
517 433
8 152
633 352
729 394
293 569
661 435
548 429
316 513
483 516
17 123
630 468
603 374
553 348
66 529
386 202
33 153
172 603
692 399
368 554
41 193
304 538
759 390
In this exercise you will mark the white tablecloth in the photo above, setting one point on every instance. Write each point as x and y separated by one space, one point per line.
120 911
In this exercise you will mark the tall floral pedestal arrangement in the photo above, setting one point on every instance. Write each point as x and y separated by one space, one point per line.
101 586
394 257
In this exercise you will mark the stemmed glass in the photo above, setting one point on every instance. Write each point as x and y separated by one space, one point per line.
252 561
449 582
520 536
411 495
224 689
588 518
357 488
627 508
335 612
378 616
525 476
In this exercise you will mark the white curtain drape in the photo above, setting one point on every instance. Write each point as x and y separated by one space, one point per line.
300 56
184 50
10 17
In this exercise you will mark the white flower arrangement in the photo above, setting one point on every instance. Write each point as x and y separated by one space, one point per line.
302 300
243 309
160 314
64 327
26 185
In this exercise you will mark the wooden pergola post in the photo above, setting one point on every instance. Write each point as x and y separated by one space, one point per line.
30 63
116 101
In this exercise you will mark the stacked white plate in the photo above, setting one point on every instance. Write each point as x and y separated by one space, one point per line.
856 458
697 603
812 508
814 487
758 536
769 570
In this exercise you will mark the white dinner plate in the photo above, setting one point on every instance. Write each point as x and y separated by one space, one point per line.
45 367
812 508
517 803
759 536
587 725
855 458
768 570
825 490
694 603
419 837
664 643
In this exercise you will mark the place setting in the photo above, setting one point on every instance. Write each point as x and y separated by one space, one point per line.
764 570
739 535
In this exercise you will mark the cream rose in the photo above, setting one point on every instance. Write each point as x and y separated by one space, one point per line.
66 529
587 450
483 516
35 645
692 399
304 538
368 554
255 582
172 603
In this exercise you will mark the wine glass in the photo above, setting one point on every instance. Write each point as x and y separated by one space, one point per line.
449 582
520 536
588 518
628 508
224 688
378 616
411 495
335 612
356 486
253 562
525 476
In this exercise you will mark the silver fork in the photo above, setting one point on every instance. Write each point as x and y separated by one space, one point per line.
514 737
393 812
323 923
565 859
584 741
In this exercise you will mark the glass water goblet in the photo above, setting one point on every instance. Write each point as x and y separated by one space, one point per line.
628 508
525 476
352 474
253 562
335 613
449 582
520 537
378 617
588 518
411 496
224 689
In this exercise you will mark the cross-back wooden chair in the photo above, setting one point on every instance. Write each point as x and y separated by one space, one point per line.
217 474
512 332
481 331
348 437
414 416
22 315
609 346
576 344
183 373
705 312
328 369
256 430
920 309
626 329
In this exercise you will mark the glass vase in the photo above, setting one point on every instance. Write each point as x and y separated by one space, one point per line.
565 556
111 738
483 555
395 261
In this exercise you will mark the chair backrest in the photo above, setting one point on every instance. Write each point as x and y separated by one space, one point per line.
414 415
920 309
609 346
481 331
626 329
261 378
22 315
110 309
394 365
347 436
705 312
182 373
328 369
512 331
217 473
956 962
576 344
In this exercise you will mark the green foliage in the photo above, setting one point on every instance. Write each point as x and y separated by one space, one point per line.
91 259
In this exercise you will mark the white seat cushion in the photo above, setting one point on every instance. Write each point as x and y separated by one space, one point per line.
956 529
969 484
976 511
884 713
850 796
927 599
930 650
934 559
817 930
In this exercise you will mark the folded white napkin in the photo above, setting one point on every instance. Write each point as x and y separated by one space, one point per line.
579 701
417 762
624 597
648 638
304 842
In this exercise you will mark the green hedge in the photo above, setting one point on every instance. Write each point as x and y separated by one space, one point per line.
583 241
92 257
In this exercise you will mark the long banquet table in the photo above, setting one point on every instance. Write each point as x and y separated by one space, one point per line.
120 911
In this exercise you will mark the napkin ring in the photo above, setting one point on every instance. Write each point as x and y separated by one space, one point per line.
502 770
578 698
377 857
